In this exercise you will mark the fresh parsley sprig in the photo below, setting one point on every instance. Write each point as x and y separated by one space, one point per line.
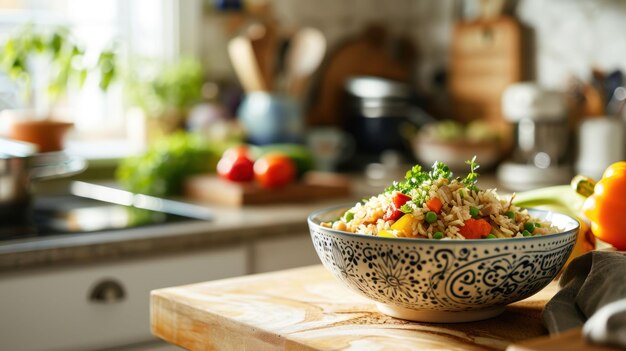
472 177
416 178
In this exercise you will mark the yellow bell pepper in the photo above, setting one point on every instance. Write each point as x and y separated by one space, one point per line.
385 234
403 225
605 206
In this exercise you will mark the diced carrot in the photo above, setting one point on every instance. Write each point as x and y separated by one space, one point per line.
434 204
475 228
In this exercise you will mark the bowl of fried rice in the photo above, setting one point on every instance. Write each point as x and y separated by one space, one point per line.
434 248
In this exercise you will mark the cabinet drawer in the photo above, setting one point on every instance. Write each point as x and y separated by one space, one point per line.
53 309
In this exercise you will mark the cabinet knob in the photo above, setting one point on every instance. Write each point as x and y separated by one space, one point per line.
107 291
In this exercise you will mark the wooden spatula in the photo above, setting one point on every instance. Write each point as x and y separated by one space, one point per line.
245 64
307 50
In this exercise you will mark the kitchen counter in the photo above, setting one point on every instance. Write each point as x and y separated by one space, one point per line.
230 226
307 309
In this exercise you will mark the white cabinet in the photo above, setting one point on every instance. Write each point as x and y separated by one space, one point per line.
52 309
282 253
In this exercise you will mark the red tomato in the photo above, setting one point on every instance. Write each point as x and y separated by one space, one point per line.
237 151
274 170
240 169
393 212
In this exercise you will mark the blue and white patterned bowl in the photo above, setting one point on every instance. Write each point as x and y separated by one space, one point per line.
443 281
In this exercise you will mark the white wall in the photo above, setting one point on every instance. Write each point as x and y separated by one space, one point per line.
572 35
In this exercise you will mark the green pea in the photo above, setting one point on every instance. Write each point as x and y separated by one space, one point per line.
349 216
526 233
490 236
530 226
537 225
510 214
474 211
430 217
438 235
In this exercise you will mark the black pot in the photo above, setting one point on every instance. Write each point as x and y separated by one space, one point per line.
382 114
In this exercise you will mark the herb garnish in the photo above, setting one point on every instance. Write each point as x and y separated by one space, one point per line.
417 182
472 177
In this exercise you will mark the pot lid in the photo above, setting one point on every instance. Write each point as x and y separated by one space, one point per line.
370 87
14 148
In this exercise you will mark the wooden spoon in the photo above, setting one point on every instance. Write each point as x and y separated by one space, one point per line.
307 50
246 65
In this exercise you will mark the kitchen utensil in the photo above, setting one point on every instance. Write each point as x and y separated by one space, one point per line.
146 202
380 111
9 147
485 58
262 38
306 52
443 281
246 66
17 172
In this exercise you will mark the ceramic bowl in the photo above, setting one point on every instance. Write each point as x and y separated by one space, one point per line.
443 281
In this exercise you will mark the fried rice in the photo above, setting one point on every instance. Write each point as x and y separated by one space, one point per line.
440 207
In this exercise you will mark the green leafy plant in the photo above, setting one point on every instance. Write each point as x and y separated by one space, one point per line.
162 168
66 60
165 88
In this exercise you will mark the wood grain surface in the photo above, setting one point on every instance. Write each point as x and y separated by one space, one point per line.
214 190
571 340
307 309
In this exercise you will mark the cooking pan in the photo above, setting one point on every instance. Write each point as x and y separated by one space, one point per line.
20 165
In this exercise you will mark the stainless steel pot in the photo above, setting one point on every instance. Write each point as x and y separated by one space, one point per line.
18 169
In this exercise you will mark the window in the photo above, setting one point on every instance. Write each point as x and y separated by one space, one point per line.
140 28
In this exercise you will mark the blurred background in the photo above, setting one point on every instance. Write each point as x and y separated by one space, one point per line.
145 96
370 74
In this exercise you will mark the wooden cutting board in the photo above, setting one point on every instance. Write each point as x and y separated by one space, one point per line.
486 57
308 309
314 186
571 340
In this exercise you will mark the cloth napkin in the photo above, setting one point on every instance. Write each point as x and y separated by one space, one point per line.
593 295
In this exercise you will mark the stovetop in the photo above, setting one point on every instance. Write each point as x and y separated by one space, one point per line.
68 214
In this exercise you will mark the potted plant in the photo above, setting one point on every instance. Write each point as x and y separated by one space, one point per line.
62 63
164 93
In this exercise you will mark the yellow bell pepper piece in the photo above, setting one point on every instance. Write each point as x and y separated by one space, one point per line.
405 224
385 234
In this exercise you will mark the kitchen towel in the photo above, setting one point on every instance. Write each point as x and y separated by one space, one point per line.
593 294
